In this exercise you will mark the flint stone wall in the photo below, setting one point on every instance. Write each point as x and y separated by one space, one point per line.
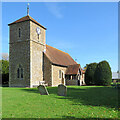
19 53
27 51
47 71
55 74
71 82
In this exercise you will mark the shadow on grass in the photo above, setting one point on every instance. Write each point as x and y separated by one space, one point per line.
64 118
94 96
30 90
51 90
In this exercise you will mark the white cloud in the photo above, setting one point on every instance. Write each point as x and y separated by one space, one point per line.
55 9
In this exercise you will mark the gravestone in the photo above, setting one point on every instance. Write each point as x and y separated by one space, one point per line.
62 90
42 89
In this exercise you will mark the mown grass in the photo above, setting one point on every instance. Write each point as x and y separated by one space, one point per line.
83 102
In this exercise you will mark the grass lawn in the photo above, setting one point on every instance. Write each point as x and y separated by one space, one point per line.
81 102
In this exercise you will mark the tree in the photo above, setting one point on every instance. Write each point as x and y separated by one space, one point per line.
89 74
103 74
85 67
4 69
4 65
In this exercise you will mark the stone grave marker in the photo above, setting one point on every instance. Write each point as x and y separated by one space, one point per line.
42 89
62 90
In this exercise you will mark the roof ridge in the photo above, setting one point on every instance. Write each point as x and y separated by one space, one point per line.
62 52
58 49
73 64
16 20
19 19
27 18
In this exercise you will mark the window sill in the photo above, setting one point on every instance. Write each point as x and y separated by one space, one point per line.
20 78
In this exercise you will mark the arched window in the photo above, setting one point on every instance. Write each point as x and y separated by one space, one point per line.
60 74
19 33
20 72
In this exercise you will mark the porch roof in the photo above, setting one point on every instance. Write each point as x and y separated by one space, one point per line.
73 69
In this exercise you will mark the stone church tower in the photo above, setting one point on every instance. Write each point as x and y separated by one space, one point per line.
26 46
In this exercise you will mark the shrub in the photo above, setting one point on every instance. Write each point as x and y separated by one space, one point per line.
5 78
103 74
89 74
4 65
4 69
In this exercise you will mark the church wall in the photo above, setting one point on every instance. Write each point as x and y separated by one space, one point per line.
35 64
82 79
47 71
71 82
19 54
55 75
37 47
34 36
24 29
27 51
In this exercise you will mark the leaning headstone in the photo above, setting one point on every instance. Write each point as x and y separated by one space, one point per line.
42 89
62 90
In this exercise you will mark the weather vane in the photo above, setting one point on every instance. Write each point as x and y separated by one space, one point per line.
28 9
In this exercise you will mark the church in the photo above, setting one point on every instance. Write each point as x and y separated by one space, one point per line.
32 61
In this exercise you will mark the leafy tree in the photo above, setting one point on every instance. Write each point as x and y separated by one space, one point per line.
103 74
89 74
85 67
4 65
4 70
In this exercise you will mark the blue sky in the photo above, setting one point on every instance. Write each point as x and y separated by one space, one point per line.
87 31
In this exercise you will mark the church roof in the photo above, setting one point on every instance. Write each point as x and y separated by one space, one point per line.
59 57
72 69
83 71
27 18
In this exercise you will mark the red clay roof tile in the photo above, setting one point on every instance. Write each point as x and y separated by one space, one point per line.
27 18
83 71
58 57
72 69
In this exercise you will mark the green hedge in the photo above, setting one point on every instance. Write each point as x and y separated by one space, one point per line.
89 74
103 74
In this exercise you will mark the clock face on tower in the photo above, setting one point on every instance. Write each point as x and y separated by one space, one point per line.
38 30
